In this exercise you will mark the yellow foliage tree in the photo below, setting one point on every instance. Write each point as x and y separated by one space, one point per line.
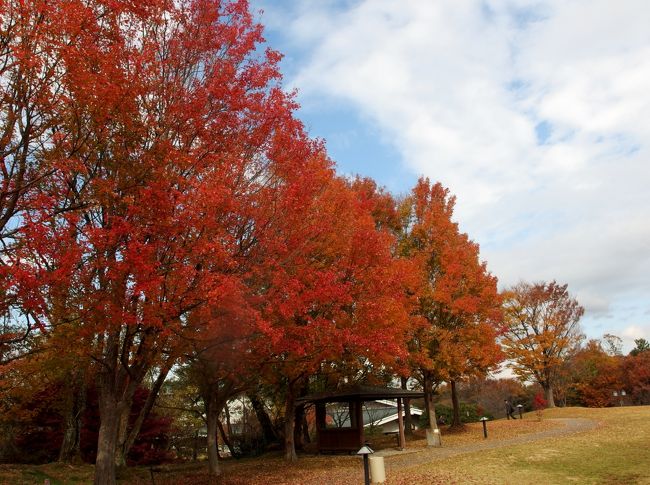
541 331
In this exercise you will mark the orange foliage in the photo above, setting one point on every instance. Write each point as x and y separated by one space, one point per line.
457 296
595 375
542 329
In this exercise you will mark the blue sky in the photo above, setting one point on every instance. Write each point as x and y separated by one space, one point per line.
536 114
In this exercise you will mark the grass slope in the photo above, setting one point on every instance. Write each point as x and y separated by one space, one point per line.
616 452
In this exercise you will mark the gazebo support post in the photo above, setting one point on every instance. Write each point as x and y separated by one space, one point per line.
400 423
320 422
358 411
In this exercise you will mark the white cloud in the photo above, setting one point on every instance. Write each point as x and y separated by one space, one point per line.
633 332
636 331
535 114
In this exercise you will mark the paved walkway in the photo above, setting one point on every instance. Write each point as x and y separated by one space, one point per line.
409 458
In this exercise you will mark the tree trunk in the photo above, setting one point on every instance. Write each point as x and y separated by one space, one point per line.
195 446
117 382
107 440
228 423
428 403
299 416
70 450
263 418
289 420
548 390
212 414
122 428
408 421
226 439
305 430
455 405
400 424
433 433
126 445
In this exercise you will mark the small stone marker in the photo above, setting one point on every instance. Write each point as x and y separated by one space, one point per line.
433 437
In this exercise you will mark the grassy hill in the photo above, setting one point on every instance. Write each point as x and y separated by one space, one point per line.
616 451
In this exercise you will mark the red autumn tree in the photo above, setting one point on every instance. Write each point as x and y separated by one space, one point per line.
169 122
636 374
594 374
218 338
331 289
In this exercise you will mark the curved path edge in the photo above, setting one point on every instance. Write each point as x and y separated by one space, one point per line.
421 457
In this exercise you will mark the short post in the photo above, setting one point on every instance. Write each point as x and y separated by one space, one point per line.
519 406
484 420
377 469
433 437
400 424
365 451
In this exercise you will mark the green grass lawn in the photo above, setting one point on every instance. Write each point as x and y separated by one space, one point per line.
617 451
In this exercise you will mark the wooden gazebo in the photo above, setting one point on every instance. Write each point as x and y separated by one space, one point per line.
351 438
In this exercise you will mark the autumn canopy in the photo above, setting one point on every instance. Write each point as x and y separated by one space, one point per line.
166 218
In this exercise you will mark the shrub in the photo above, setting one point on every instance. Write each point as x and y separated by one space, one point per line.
539 404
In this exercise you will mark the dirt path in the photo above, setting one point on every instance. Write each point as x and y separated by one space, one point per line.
402 460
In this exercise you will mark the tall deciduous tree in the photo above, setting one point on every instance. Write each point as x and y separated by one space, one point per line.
331 288
220 363
170 123
457 297
542 328
636 376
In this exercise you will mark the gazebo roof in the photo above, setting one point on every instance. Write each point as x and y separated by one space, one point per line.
361 393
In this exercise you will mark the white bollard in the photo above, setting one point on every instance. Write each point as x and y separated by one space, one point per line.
377 470
433 437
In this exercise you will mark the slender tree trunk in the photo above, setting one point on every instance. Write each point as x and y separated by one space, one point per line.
126 445
408 421
212 414
433 433
70 447
428 403
263 418
305 430
226 439
297 426
455 405
228 423
289 421
122 428
70 444
195 446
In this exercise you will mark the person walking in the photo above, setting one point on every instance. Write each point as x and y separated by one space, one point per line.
510 410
